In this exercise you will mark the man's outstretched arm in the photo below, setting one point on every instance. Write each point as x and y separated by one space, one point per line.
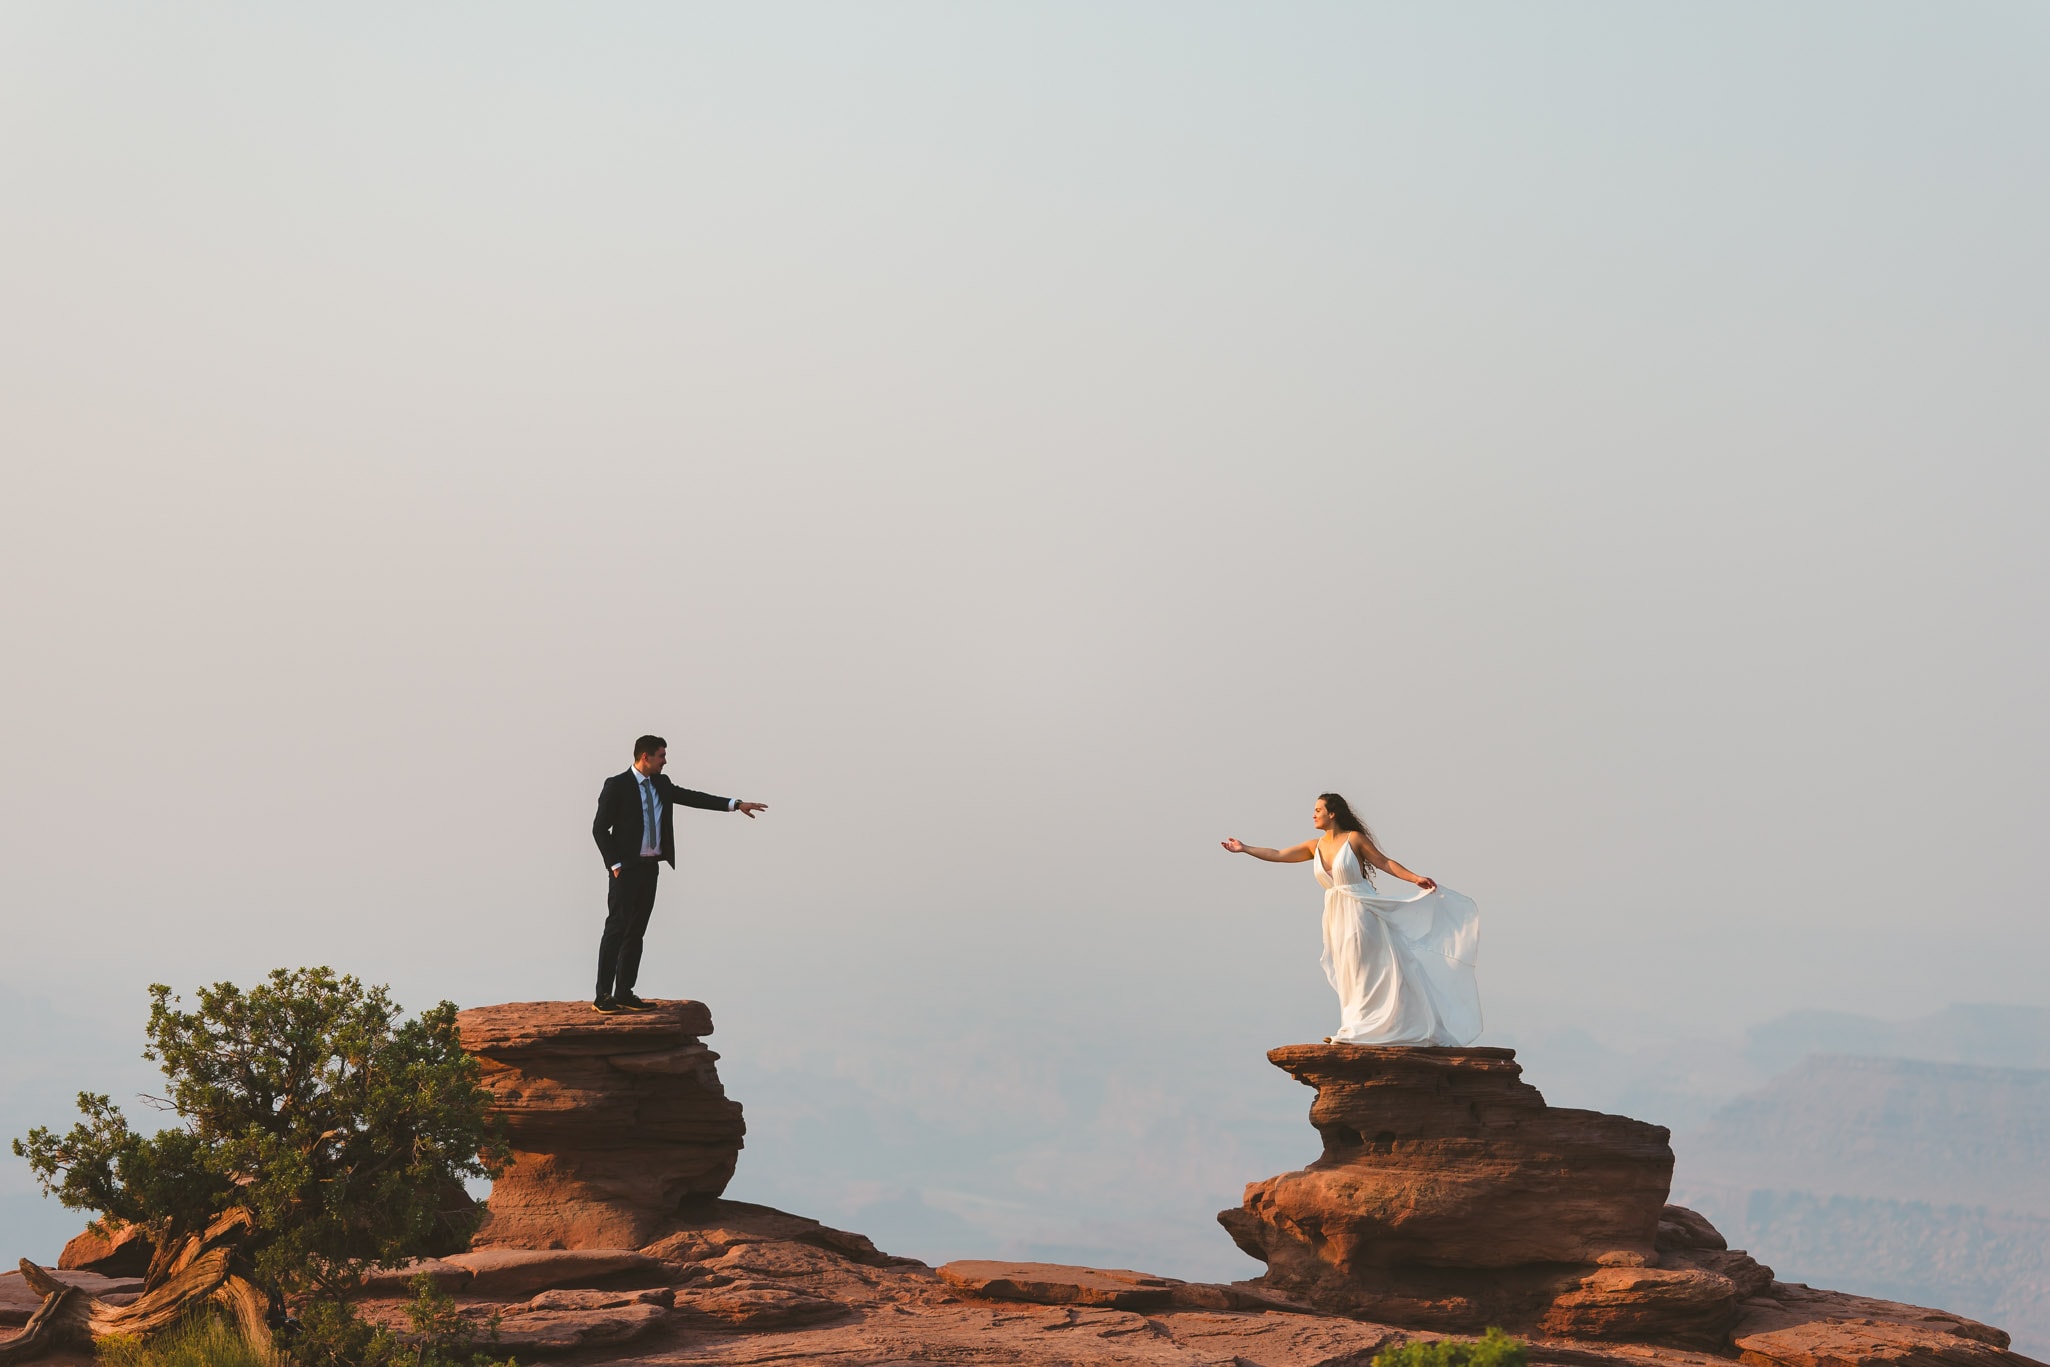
691 797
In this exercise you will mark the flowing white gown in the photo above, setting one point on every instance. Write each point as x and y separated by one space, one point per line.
1402 966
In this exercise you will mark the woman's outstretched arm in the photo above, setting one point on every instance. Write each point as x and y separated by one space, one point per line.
1366 850
1294 854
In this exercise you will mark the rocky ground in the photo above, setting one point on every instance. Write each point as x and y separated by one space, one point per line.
1449 1197
744 1284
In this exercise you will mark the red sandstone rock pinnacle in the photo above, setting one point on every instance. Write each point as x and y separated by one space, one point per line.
616 1121
1449 1195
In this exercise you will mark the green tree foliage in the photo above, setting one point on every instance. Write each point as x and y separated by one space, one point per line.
1493 1349
342 1127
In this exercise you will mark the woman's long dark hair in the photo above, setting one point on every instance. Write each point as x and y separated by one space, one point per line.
1343 816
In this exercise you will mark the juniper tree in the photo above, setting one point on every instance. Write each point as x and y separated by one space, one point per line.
308 1100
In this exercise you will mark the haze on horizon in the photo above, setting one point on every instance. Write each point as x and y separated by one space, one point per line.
1024 445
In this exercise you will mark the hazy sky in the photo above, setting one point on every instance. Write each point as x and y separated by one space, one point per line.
1025 444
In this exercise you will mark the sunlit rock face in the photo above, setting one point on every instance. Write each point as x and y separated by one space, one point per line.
616 1122
1450 1195
111 1248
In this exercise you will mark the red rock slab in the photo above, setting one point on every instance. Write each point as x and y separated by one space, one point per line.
713 1228
1680 1227
1746 1273
664 1296
516 1273
1798 1326
1060 1284
513 1028
757 1306
542 1333
18 1301
110 1248
398 1281
1114 1287
1675 1305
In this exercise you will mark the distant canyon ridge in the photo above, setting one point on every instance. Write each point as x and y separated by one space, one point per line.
1909 1159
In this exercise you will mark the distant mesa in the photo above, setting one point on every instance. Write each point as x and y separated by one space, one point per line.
1919 1180
1843 1125
1974 1034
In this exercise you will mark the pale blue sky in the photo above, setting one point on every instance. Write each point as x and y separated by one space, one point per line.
1025 444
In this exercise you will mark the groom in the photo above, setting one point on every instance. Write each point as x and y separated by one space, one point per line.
635 832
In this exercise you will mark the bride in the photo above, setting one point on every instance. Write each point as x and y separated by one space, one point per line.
1402 966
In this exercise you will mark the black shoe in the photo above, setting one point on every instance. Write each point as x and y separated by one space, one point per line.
606 1006
627 1001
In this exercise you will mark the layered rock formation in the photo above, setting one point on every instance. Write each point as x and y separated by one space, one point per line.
617 1123
1449 1195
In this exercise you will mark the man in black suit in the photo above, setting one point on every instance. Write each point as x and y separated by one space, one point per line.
636 831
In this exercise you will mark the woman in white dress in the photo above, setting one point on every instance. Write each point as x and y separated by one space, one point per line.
1402 966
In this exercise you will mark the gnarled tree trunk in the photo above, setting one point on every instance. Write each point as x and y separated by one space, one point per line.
204 1271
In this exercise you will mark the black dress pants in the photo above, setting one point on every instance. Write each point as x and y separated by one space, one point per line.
628 902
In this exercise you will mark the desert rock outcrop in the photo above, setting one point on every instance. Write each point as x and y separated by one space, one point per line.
1798 1326
110 1248
1450 1196
616 1121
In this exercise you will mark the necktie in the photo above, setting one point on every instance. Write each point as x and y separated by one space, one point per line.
651 819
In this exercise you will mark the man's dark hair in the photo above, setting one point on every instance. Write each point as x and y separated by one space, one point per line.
648 745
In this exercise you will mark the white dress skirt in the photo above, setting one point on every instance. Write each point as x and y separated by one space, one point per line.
1402 966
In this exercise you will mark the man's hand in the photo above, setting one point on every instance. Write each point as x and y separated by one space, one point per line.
750 808
615 870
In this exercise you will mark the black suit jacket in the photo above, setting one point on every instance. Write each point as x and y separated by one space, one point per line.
618 827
